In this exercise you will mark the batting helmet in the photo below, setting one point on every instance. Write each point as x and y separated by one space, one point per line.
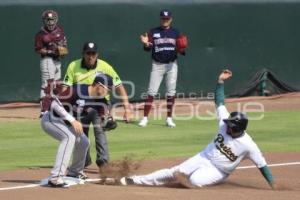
50 19
104 80
237 122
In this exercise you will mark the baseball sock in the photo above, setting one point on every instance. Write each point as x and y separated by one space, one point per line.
148 105
170 104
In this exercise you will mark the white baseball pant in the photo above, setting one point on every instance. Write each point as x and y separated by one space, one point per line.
200 171
157 74
50 69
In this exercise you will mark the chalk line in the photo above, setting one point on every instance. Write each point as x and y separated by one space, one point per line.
272 165
98 179
43 184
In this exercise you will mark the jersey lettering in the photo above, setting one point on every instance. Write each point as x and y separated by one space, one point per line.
164 44
224 149
156 35
165 41
164 49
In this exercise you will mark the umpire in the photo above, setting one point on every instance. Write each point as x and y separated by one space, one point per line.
83 71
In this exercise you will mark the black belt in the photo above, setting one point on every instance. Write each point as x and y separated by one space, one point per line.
165 62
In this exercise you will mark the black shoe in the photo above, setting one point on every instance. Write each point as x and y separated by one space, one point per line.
57 182
41 114
87 163
126 181
101 163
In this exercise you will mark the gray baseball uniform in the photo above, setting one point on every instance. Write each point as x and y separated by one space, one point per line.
56 122
70 142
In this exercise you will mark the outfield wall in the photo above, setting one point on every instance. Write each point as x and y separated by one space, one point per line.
244 36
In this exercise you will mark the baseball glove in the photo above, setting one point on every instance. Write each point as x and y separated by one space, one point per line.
62 51
108 123
181 44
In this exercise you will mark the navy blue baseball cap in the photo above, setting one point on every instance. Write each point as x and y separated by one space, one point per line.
165 14
90 47
104 80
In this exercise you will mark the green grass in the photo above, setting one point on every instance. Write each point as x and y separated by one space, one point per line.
24 144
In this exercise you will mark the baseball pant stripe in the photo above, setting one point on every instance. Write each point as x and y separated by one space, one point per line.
65 145
58 133
171 78
50 69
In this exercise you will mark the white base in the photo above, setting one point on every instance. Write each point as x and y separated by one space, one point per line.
69 180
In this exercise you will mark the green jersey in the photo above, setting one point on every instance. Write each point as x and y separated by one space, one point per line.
78 73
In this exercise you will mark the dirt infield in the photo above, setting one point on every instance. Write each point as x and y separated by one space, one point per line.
242 184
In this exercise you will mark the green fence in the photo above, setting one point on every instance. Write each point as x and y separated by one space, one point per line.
244 37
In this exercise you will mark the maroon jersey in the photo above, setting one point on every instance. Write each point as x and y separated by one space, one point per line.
50 40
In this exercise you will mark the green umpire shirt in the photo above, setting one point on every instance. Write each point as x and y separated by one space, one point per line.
77 73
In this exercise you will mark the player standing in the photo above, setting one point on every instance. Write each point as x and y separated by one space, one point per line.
162 42
219 159
51 44
83 71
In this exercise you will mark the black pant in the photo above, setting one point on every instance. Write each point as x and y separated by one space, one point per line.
102 156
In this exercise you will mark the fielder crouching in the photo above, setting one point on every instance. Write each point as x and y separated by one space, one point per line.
60 122
219 159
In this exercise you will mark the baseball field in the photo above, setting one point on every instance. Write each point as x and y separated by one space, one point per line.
27 153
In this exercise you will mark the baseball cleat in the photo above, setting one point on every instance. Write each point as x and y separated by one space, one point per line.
87 163
57 182
143 122
170 123
109 181
81 176
126 181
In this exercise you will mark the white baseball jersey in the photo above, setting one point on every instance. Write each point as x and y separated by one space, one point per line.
226 152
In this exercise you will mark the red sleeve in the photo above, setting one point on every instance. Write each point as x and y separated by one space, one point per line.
38 44
63 39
